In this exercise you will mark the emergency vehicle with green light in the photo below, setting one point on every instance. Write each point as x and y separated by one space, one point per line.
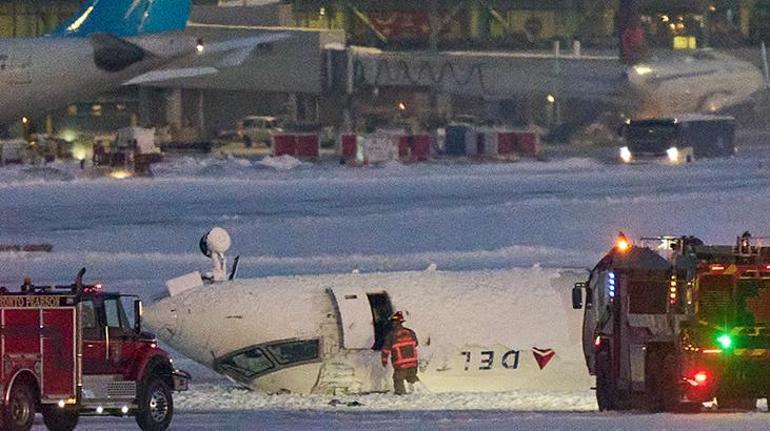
671 323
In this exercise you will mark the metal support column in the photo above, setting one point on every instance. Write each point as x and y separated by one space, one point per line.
174 108
201 115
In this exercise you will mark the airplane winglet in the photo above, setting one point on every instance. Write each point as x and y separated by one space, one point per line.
238 50
169 74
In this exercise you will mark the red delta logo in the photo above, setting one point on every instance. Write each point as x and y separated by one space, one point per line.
543 356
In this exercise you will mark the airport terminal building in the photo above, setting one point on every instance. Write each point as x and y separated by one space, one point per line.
363 64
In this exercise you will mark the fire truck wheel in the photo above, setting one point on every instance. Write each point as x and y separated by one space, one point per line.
20 411
606 395
156 406
737 403
59 419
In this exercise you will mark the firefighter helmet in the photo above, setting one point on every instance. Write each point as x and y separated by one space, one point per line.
398 316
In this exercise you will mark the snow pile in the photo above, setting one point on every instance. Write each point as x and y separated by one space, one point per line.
54 172
281 163
574 164
208 397
204 167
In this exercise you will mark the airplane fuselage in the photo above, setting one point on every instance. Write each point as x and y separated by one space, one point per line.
42 74
699 82
478 331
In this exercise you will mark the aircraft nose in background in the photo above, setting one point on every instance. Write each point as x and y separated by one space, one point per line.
161 317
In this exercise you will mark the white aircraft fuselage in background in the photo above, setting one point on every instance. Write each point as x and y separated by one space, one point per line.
41 74
702 81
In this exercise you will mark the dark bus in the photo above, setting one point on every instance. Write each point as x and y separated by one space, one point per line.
678 140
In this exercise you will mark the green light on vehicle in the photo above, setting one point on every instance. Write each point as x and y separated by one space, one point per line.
725 341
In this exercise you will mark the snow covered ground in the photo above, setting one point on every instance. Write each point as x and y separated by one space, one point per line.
328 218
288 218
280 419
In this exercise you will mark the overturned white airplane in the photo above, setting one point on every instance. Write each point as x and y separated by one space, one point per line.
478 331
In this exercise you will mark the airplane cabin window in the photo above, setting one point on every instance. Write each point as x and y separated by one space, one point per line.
292 352
248 363
381 312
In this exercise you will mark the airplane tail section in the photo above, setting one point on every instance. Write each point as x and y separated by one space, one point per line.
126 18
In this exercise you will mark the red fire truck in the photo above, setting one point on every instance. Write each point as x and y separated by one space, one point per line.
69 351
671 323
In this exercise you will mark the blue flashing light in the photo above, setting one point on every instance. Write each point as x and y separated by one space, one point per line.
611 285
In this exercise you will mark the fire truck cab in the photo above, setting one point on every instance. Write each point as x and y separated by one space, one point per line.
672 323
69 351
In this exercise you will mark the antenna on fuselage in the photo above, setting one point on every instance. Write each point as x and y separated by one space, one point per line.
234 271
214 245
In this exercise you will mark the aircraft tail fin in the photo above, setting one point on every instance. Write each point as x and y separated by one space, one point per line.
126 18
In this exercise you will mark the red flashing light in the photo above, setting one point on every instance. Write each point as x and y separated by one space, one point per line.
96 288
598 341
717 268
701 377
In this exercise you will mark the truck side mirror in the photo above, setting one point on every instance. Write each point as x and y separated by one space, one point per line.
138 310
577 295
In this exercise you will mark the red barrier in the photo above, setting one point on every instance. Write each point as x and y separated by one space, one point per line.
414 148
506 143
284 145
527 143
307 146
421 148
349 146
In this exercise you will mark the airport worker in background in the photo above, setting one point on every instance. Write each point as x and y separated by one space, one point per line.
26 287
401 345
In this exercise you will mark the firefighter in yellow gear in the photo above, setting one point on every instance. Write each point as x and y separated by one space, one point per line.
401 346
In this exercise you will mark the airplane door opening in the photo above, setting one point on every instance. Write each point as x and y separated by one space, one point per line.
382 309
355 318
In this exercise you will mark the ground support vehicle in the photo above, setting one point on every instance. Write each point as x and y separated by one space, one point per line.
672 323
69 351
677 140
